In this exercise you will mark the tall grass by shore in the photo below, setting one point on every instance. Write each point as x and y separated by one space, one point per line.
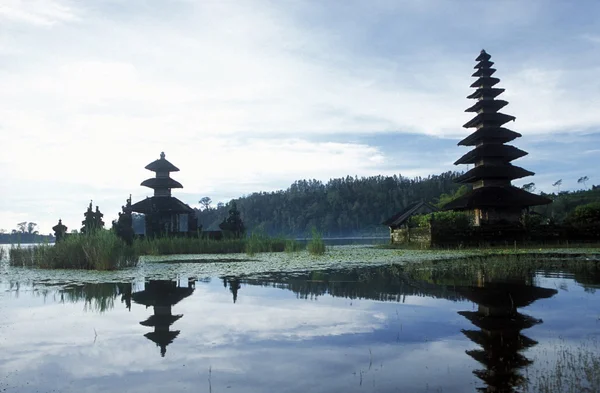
102 250
2 253
316 245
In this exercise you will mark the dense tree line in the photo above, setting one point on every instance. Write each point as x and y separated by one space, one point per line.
340 207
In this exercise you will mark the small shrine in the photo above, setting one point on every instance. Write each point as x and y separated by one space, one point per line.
164 214
493 198
60 231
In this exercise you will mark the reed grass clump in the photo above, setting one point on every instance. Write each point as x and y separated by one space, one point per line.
292 245
260 242
101 250
3 253
187 245
316 245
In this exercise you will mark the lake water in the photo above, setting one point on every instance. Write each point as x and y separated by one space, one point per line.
362 329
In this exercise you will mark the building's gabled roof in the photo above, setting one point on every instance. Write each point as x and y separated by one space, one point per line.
161 183
162 204
506 171
498 134
403 215
506 152
486 197
161 165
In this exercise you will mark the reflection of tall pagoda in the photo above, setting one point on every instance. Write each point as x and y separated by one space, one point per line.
500 327
162 295
493 198
164 214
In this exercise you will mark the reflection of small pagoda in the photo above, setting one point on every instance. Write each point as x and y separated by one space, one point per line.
162 295
493 198
500 330
164 213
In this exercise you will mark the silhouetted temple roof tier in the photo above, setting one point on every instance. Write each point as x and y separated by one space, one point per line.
499 381
162 165
483 56
504 153
489 119
161 292
497 197
486 92
484 72
505 171
511 360
160 320
485 81
491 341
490 135
484 64
162 339
500 294
488 105
161 182
516 322
161 204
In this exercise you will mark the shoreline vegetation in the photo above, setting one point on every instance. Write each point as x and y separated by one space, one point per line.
104 250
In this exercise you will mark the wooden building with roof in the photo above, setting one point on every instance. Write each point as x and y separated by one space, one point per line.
400 232
164 214
493 198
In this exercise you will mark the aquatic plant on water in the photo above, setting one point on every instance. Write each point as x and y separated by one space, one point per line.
100 250
316 245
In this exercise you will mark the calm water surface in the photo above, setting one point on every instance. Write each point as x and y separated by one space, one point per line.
354 330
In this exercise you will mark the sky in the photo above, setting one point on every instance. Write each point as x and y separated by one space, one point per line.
248 96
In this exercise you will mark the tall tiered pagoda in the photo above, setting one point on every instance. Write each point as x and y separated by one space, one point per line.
165 214
493 198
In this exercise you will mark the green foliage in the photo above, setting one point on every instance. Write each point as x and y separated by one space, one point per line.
260 242
447 198
292 246
187 245
2 253
340 207
588 214
565 203
101 250
233 226
531 221
316 245
458 220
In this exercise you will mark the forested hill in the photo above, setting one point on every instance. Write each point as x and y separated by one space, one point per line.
341 207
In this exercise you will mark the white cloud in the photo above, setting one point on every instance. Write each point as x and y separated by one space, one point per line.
242 94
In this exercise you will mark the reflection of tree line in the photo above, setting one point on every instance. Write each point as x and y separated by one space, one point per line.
389 283
498 297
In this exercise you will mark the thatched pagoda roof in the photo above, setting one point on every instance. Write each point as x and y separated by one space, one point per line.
160 320
489 92
161 204
162 339
492 341
493 105
507 364
483 56
161 183
496 197
507 171
490 119
492 134
509 294
495 324
484 72
506 152
161 292
161 165
485 81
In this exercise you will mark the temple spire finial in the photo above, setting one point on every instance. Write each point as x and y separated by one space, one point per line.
162 155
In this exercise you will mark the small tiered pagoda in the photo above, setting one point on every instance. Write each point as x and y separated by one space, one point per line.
162 295
165 214
493 198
